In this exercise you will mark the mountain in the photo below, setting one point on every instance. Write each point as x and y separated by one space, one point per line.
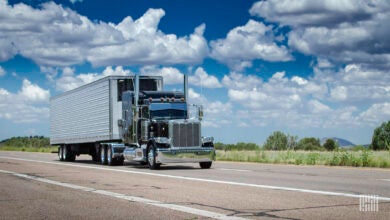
341 142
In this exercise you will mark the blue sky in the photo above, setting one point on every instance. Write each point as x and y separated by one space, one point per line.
307 68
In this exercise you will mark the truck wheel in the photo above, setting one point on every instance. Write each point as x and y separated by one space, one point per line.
68 154
64 153
61 153
103 154
152 159
110 159
205 165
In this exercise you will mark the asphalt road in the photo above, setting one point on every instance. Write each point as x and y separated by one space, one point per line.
38 186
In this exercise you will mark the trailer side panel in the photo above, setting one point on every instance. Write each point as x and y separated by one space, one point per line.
82 115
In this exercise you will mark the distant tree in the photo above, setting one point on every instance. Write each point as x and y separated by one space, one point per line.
309 143
330 144
381 137
292 142
219 146
28 141
276 141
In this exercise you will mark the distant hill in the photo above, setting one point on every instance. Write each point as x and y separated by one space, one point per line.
341 142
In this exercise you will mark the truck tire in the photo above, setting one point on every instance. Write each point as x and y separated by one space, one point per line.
205 165
153 165
68 154
61 153
110 159
103 155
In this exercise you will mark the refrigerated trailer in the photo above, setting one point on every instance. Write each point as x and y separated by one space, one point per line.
129 118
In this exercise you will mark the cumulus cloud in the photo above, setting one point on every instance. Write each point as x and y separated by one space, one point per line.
28 105
170 75
345 31
203 79
246 43
376 113
33 93
315 102
52 35
69 80
307 12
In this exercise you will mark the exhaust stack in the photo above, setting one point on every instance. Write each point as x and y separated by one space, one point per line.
186 88
136 92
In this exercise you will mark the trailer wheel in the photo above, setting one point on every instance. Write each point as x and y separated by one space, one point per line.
103 155
110 159
152 158
64 153
68 155
61 153
205 165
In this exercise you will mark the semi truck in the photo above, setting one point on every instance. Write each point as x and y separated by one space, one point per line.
129 118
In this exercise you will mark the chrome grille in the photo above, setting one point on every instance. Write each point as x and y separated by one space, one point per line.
186 134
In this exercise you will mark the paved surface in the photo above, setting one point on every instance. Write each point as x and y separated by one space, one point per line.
38 186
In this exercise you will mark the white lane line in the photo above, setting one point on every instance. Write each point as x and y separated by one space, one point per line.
238 170
388 180
180 208
328 193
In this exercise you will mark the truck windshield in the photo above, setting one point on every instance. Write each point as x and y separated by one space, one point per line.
168 111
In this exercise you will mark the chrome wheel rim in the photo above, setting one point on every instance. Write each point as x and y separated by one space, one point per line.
151 157
109 155
102 155
64 153
60 153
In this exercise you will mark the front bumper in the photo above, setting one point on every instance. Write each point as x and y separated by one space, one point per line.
204 154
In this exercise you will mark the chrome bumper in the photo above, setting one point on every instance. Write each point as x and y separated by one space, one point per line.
185 155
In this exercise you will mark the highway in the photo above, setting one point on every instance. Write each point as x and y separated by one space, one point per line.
38 186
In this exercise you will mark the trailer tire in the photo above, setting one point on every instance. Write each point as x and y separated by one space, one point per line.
68 154
110 159
205 165
61 153
103 155
153 165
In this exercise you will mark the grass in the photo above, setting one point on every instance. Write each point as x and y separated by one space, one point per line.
361 158
30 149
364 158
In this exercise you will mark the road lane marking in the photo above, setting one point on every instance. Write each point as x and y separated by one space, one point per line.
385 180
238 170
328 193
175 207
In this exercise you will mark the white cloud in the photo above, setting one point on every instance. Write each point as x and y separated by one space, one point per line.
343 32
69 80
307 12
52 35
239 81
203 79
378 112
314 102
28 105
170 75
247 43
2 71
34 93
